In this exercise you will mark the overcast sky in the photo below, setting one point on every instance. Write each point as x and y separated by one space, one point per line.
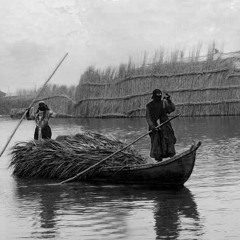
36 34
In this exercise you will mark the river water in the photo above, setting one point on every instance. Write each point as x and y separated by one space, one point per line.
208 207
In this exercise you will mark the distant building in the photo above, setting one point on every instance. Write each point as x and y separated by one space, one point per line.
2 94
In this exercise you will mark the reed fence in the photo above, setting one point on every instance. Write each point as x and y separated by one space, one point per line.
16 106
198 88
58 97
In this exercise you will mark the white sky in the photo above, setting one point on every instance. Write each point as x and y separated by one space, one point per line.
36 34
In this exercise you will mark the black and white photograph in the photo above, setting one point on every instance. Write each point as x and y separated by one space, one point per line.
120 119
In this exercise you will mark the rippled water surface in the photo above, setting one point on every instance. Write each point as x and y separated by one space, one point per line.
208 207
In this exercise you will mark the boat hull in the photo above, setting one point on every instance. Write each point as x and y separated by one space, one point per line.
171 173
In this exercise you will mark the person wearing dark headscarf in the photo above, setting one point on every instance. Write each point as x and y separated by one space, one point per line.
41 117
162 140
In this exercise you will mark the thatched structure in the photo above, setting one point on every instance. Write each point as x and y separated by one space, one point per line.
67 156
59 98
60 103
199 86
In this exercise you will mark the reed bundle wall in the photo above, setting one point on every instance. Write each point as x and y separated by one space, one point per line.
61 104
212 91
58 97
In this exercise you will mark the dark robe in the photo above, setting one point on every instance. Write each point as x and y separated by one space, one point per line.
163 140
45 131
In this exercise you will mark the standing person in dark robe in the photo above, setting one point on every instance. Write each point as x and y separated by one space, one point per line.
163 139
41 117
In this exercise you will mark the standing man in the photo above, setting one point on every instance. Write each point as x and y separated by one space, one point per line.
41 117
162 139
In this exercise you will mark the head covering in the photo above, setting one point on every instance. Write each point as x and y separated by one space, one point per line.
157 94
42 106
41 103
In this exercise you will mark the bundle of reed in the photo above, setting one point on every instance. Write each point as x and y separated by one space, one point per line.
69 155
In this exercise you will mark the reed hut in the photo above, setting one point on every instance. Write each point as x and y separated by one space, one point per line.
199 86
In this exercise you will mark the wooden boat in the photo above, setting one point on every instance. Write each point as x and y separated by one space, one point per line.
69 160
171 173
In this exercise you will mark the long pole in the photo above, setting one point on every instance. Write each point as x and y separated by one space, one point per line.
39 92
96 164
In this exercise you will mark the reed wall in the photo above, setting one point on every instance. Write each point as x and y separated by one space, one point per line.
58 98
204 88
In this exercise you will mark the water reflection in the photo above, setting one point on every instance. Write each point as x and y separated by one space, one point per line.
172 210
103 211
78 210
